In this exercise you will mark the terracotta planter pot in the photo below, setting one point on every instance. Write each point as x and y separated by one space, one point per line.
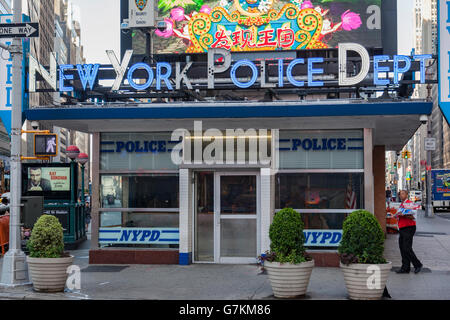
356 276
289 280
49 274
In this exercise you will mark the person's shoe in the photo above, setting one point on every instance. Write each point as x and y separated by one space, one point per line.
418 269
402 271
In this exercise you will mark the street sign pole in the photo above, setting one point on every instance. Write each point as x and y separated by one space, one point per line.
15 270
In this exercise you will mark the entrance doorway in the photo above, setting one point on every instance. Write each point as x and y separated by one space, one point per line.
226 217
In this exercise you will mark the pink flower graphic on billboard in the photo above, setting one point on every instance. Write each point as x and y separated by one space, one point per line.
350 20
168 32
177 14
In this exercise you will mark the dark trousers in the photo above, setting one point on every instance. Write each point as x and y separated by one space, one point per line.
405 242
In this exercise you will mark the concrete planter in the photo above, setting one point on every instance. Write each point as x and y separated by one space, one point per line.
289 280
356 276
49 274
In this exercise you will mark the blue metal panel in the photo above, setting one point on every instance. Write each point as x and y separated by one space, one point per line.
185 258
247 110
444 106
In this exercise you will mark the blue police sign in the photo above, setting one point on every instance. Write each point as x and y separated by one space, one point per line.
139 236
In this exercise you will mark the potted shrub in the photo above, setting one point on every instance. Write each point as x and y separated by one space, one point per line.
47 262
288 267
361 256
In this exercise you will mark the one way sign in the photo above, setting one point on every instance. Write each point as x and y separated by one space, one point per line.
19 30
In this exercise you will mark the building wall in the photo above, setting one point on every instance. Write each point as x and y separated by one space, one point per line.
379 185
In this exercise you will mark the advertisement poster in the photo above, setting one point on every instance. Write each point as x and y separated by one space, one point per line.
48 179
440 184
195 26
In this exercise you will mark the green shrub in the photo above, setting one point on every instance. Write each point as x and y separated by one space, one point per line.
362 239
46 239
286 236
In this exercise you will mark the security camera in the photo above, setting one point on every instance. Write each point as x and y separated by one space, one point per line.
161 26
35 125
423 119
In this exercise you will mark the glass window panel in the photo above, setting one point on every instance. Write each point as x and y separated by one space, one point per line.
136 151
321 149
319 190
323 220
238 238
140 191
238 194
140 220
204 219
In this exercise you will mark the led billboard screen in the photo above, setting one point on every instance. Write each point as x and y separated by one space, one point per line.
194 26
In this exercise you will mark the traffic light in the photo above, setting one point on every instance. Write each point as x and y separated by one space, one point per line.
45 145
403 154
395 165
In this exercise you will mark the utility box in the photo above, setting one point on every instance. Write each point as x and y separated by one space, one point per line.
32 208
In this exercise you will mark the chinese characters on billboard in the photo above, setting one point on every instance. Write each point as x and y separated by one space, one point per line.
195 26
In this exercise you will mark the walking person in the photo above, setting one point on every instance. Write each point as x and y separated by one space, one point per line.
88 215
407 229
388 195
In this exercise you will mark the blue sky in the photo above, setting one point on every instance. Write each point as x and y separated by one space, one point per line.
100 25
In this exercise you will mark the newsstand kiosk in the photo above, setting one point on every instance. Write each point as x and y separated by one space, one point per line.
58 184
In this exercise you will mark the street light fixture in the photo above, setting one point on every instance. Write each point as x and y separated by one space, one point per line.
72 152
82 159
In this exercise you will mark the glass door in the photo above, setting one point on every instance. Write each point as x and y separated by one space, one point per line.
236 217
204 216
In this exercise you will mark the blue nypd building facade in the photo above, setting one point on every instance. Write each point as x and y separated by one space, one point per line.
193 155
147 208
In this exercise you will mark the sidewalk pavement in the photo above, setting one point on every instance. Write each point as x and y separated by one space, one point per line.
227 282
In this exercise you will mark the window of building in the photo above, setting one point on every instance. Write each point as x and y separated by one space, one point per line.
138 191
323 199
139 201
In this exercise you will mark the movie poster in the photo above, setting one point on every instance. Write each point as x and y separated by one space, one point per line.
48 179
195 26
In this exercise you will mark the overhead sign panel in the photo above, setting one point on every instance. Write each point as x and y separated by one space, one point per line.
255 25
19 30
444 56
141 13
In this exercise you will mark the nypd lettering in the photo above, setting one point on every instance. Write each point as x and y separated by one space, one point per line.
139 236
322 238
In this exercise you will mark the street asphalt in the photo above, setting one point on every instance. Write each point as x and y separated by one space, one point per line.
229 282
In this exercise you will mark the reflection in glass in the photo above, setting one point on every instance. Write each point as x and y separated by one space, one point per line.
204 217
238 194
323 220
140 191
318 190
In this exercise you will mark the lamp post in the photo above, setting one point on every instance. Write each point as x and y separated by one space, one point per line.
72 152
14 269
82 159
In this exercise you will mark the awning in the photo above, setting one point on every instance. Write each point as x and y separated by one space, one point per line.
394 123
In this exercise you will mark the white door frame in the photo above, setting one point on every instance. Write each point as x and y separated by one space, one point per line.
218 217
